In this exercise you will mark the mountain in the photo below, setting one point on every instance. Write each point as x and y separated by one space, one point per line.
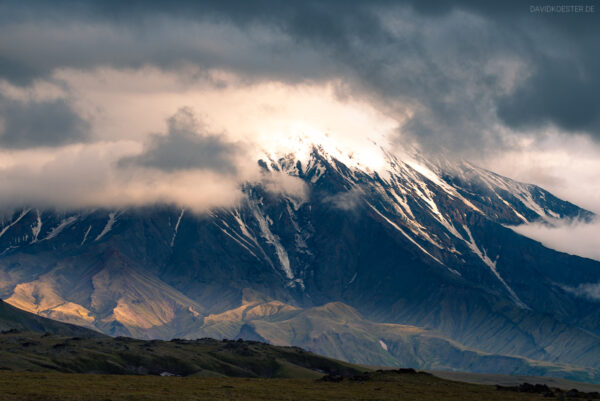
14 320
408 242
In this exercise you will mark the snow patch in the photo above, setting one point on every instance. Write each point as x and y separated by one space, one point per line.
492 265
519 215
35 230
112 218
264 223
405 234
243 227
519 190
87 232
527 199
237 241
434 178
64 223
319 171
176 227
23 213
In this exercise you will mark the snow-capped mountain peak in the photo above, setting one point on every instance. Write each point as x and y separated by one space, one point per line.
412 241
362 154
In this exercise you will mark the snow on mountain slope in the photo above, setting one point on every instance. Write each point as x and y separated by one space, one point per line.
403 183
402 239
426 202
420 200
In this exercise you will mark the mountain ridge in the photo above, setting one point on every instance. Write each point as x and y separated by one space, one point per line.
417 244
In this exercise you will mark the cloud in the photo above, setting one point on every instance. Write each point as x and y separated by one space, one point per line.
184 148
249 115
278 182
462 71
576 237
347 201
587 290
84 176
468 78
181 167
549 97
566 165
35 123
127 173
37 40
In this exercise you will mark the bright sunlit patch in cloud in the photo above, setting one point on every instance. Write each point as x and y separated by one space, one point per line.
351 131
222 101
269 116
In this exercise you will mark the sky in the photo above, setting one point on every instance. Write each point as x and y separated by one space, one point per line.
114 103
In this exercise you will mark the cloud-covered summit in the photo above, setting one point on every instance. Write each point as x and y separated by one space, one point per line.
474 79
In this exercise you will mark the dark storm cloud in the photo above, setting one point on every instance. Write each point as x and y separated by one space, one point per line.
184 148
40 37
562 92
30 124
450 62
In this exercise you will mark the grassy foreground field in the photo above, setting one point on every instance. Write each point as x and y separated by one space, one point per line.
386 386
